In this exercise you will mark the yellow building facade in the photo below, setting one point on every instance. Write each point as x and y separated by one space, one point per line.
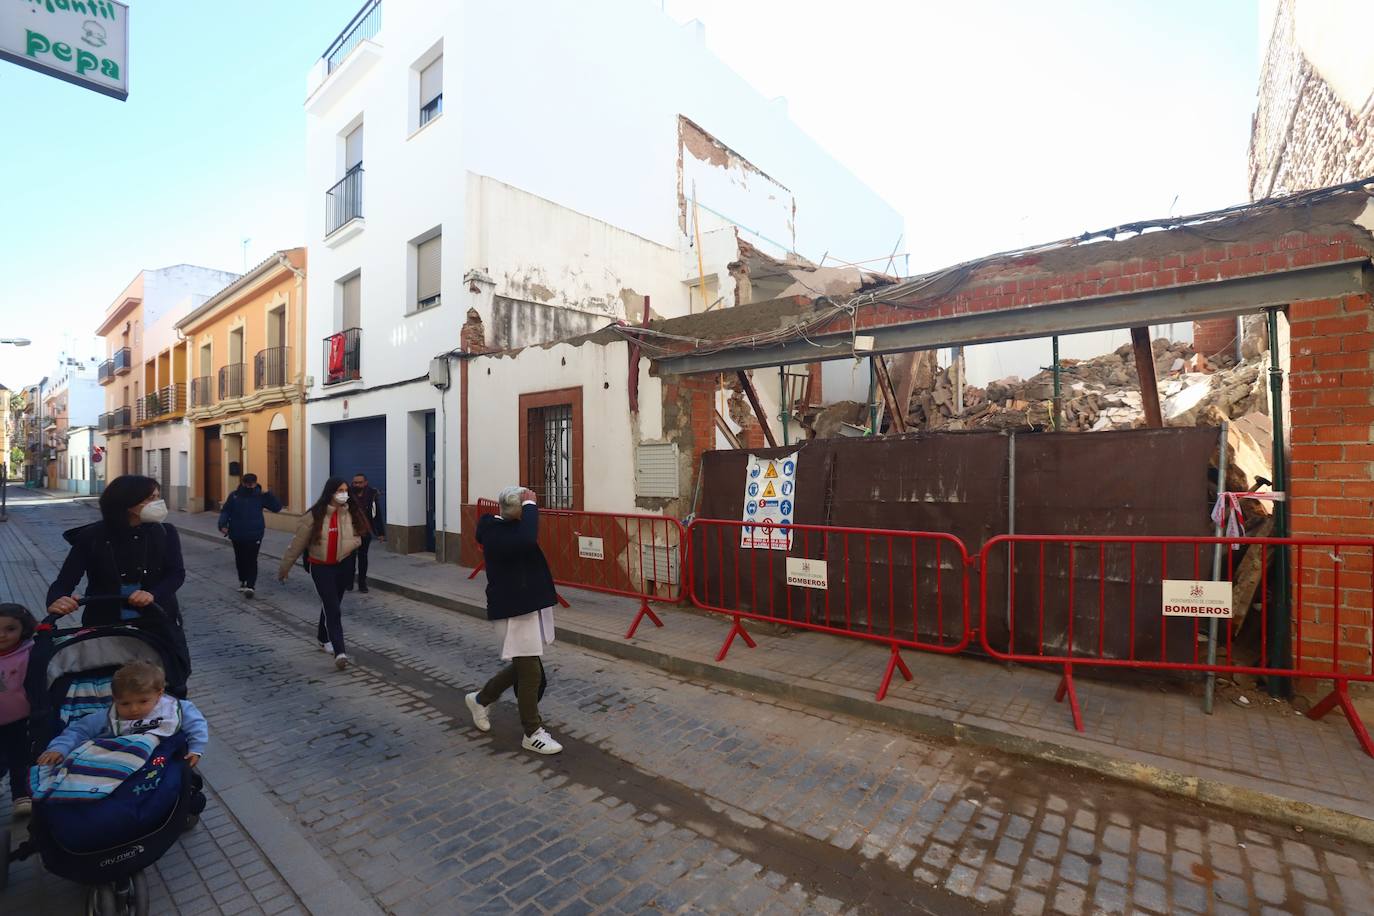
245 362
121 377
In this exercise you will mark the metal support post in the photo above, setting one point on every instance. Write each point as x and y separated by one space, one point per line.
1211 687
1281 616
1058 392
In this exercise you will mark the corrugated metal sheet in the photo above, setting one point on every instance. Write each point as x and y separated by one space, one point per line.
656 470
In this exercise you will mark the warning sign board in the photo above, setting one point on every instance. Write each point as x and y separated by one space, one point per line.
766 514
1190 598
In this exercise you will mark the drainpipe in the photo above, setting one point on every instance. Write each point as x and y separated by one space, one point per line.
1281 620
304 475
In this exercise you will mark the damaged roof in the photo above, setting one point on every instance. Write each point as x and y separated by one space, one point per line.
1342 210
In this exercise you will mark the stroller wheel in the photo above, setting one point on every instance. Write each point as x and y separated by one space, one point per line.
4 859
102 901
138 896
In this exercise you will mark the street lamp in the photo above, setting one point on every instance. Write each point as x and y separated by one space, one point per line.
16 341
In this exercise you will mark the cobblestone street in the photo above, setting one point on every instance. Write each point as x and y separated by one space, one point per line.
671 796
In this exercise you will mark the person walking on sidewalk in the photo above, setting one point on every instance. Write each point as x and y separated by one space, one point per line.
520 598
329 535
370 500
241 520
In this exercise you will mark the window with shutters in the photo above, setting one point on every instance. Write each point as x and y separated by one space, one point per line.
427 272
432 91
352 296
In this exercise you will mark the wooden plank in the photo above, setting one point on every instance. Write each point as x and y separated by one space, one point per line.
898 416
1145 369
748 385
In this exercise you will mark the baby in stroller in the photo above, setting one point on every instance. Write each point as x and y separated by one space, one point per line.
139 706
116 784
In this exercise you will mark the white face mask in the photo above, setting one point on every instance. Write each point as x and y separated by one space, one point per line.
154 512
341 498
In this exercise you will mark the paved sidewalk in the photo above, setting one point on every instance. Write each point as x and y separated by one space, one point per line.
1313 773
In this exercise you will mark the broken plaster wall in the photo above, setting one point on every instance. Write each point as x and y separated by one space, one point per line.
722 189
536 251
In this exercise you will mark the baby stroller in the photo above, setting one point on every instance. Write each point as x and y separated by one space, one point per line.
106 843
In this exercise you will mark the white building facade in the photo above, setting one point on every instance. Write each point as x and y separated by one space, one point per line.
76 401
452 186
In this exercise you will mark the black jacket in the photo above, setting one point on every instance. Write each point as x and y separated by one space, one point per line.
147 556
371 501
242 513
518 576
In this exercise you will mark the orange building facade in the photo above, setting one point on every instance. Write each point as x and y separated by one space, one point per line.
246 398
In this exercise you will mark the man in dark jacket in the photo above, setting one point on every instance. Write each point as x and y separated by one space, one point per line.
242 522
371 501
520 599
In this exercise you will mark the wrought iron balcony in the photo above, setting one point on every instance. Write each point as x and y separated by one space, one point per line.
231 380
343 203
202 395
343 356
272 368
105 372
364 24
123 361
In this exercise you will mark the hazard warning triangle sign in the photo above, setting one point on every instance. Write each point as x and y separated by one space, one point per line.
769 491
772 471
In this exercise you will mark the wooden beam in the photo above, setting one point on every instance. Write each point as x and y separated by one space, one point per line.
885 385
725 429
1145 369
748 385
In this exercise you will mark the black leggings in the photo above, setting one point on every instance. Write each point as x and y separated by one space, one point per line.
331 582
246 561
14 756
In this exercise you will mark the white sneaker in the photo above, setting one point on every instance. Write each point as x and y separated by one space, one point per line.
22 808
341 661
480 717
541 742
248 591
327 648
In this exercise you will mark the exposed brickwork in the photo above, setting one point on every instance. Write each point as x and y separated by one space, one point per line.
1303 135
1332 384
1215 337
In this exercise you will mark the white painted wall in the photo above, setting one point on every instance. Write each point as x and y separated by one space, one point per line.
608 432
577 107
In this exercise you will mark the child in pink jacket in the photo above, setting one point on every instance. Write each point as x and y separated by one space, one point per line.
16 642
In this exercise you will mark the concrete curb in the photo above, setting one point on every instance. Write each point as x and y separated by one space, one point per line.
1217 792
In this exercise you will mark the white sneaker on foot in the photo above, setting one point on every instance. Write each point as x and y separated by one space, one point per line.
21 808
480 717
341 661
248 591
541 742
327 648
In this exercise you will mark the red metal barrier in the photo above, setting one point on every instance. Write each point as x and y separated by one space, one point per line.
904 589
1098 601
637 556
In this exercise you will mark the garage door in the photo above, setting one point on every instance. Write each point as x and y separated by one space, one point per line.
359 447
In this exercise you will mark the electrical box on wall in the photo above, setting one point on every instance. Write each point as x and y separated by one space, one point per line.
235 469
438 372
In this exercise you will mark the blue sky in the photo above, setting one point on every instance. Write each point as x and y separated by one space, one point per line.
988 124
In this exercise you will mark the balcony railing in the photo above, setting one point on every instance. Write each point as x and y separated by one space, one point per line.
170 401
343 203
366 23
123 361
231 381
148 409
343 356
272 368
117 420
202 395
105 372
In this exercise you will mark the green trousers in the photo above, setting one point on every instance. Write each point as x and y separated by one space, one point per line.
526 674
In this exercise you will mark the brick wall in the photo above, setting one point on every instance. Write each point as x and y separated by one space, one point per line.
1216 337
1333 472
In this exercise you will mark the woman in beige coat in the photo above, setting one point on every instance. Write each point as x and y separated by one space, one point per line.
329 534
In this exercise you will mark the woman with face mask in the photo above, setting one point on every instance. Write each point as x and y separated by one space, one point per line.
329 535
131 552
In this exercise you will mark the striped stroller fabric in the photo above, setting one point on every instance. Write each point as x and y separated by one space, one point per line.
93 770
85 695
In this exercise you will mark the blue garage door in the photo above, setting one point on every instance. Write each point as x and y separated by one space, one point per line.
359 447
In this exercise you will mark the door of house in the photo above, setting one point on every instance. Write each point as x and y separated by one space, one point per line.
213 468
278 464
